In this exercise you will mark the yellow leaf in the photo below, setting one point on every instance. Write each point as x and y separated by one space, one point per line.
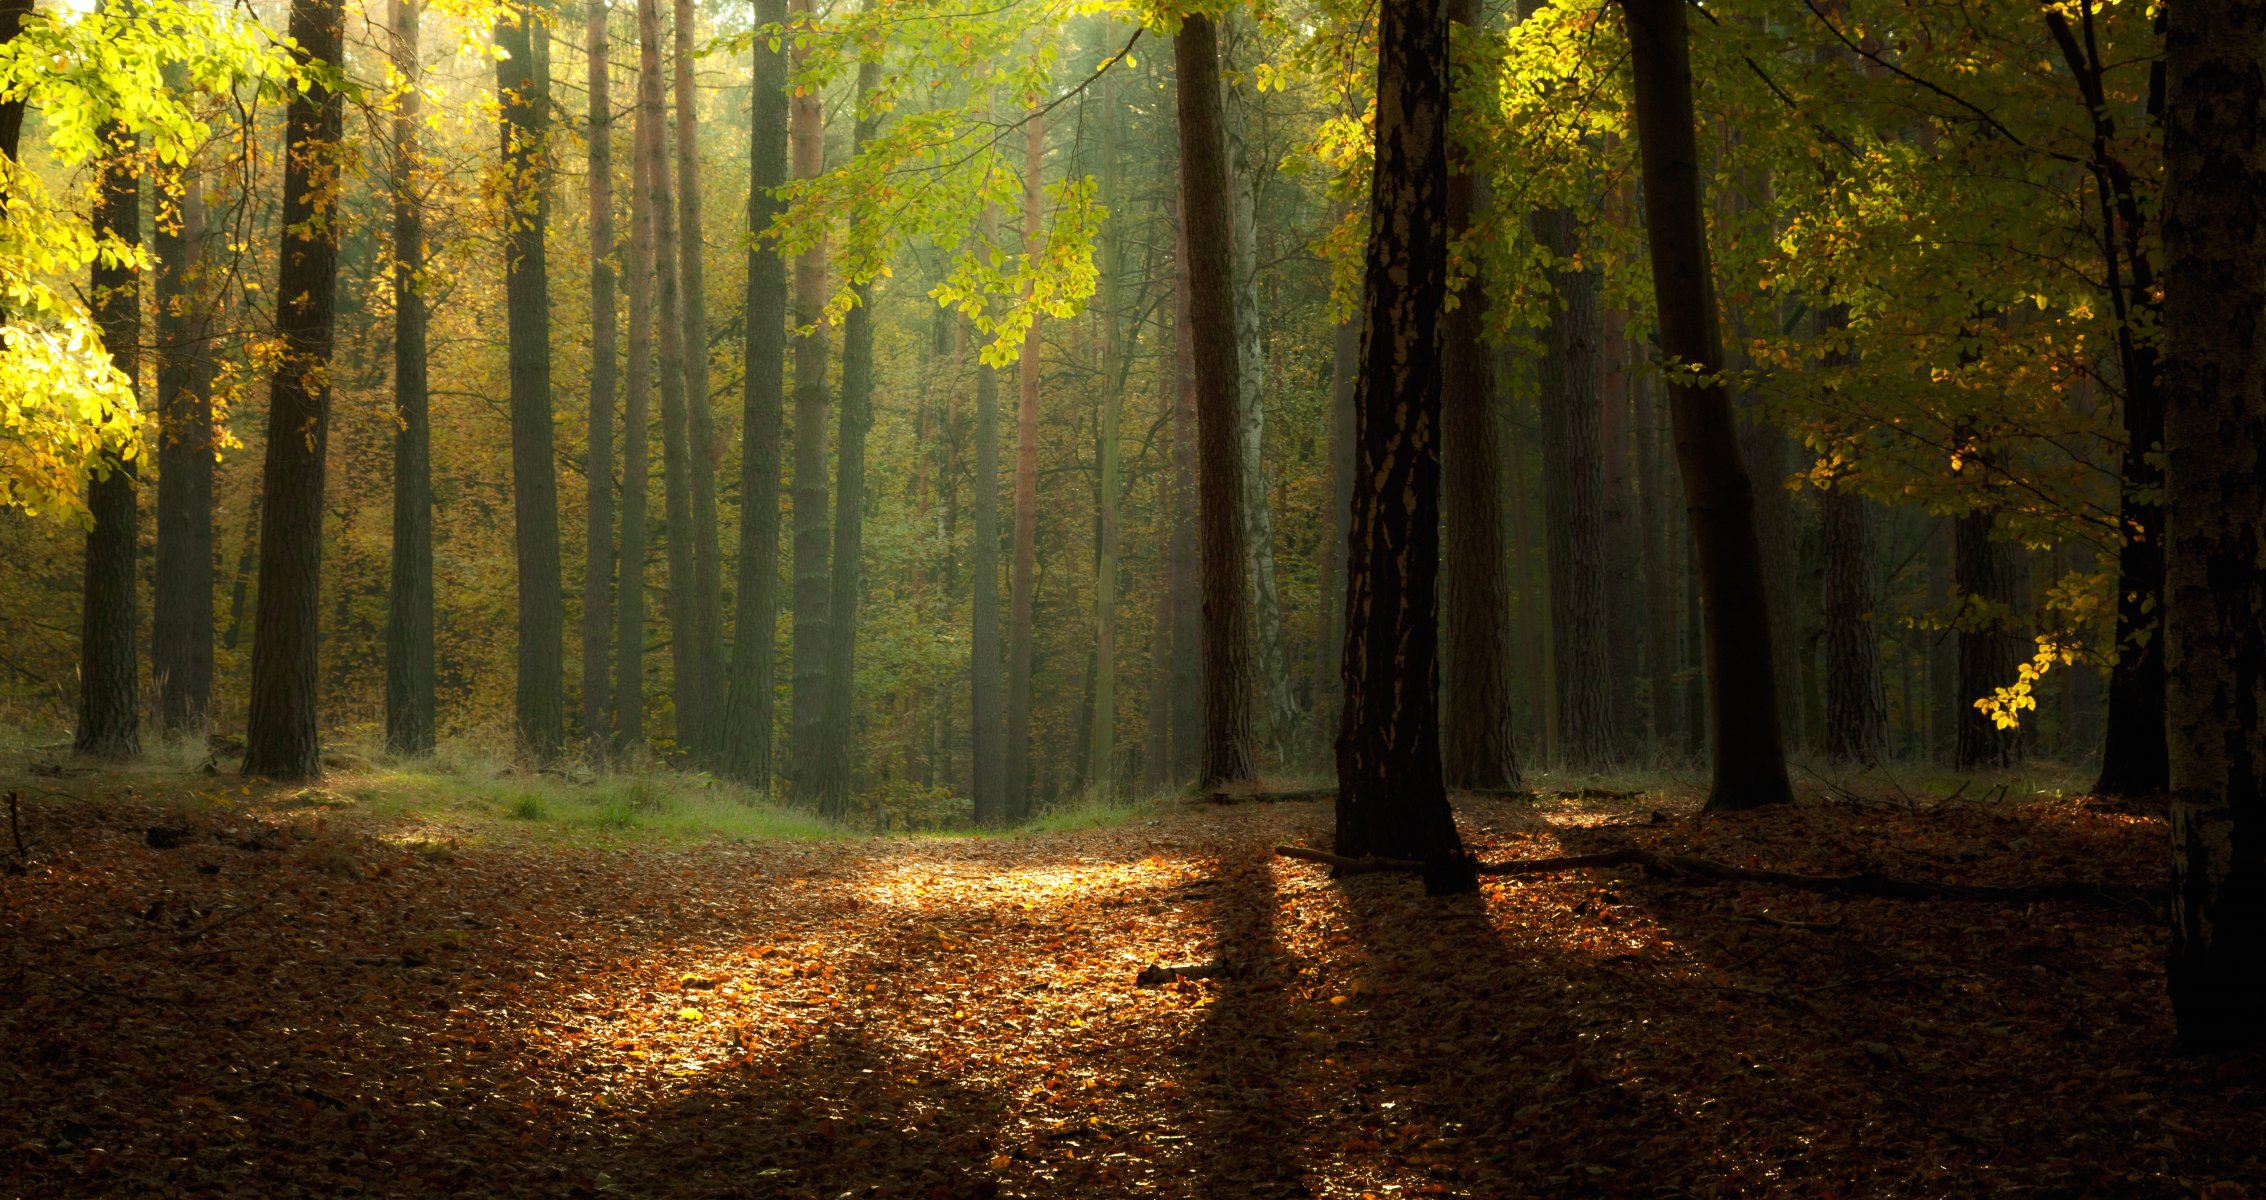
688 1014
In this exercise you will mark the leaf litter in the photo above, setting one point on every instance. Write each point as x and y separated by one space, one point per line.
266 1001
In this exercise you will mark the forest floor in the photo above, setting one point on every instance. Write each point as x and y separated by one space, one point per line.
208 990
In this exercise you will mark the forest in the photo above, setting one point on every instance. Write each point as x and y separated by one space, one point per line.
1336 598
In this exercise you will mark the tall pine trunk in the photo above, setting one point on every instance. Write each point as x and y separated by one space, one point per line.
806 133
281 737
1573 500
1655 512
1983 571
598 537
523 88
1391 798
1749 760
109 675
1101 745
987 700
1477 741
748 718
849 512
637 392
1022 585
181 627
704 604
1856 711
410 708
2215 440
1229 675
1329 630
1187 595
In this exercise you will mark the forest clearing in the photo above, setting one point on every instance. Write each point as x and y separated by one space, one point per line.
306 993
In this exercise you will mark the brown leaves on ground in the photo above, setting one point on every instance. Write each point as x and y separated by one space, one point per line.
279 1006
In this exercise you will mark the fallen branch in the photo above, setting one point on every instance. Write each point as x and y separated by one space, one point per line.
1238 796
1158 974
1693 867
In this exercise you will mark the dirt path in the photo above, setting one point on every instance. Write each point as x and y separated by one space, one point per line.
278 1007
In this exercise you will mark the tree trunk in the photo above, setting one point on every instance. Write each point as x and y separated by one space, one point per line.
1655 512
1391 797
833 790
1228 753
410 707
1329 628
749 718
1617 529
1101 746
987 700
109 675
281 739
1187 596
1573 502
1023 572
598 541
1478 743
807 134
1983 572
704 604
2214 390
523 87
181 629
1238 55
1856 712
1743 713
637 392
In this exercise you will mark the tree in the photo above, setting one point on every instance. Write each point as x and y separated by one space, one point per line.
1022 579
523 88
598 536
806 135
1391 797
1749 760
987 700
409 606
2214 391
109 676
1856 713
637 391
704 599
1229 676
1329 643
1983 571
748 717
1573 498
281 739
1101 748
1478 744
181 626
833 784
1185 591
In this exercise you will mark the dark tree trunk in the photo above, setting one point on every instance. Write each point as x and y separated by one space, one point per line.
849 514
987 699
637 391
1856 711
749 717
1228 750
109 675
598 538
2215 438
1022 579
1187 596
1477 741
813 540
410 708
1617 525
1573 503
1101 744
281 739
1391 798
1983 571
1743 714
704 601
1329 630
523 87
688 670
12 14
1656 513
181 628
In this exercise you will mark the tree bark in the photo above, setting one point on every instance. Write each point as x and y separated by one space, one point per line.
1022 586
523 88
629 597
1655 512
2214 389
987 686
1187 595
598 538
410 707
181 628
1391 797
1743 712
1229 676
704 604
1329 629
807 136
281 738
1573 501
1988 651
1478 742
1856 711
1101 746
109 675
749 717
849 512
